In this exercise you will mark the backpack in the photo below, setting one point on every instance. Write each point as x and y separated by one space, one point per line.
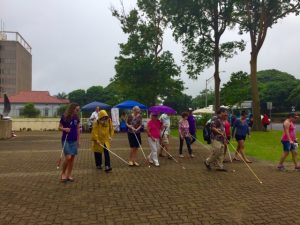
207 132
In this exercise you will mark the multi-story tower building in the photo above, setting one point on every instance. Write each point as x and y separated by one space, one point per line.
15 63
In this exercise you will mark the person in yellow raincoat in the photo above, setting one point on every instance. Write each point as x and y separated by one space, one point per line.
102 133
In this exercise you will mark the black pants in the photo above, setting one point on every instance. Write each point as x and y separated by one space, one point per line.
98 158
188 144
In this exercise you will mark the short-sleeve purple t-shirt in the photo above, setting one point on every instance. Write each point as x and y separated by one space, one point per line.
72 135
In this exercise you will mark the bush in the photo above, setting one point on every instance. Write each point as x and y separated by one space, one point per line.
30 111
201 121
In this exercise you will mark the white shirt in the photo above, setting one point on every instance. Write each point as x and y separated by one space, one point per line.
94 116
165 119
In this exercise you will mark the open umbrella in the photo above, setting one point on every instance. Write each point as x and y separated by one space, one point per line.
91 106
129 104
162 109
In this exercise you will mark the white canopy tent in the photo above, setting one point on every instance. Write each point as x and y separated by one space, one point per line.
208 110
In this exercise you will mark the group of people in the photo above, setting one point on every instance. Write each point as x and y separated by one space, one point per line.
158 132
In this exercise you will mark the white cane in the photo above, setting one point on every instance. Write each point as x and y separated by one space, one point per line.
114 154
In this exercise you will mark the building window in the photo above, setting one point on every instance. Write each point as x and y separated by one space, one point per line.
46 112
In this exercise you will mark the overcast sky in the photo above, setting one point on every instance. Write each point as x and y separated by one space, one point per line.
74 43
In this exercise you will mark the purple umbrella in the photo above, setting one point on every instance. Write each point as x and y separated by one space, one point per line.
162 109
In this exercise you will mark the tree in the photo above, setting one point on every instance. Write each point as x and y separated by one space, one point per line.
60 111
179 101
143 71
199 25
94 93
30 111
200 100
78 96
256 17
237 89
62 95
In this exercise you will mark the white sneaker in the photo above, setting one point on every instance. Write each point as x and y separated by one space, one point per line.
181 156
156 164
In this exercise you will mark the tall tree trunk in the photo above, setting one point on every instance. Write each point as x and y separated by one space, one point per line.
216 74
257 125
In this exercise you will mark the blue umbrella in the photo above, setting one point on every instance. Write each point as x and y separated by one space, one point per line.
92 106
129 105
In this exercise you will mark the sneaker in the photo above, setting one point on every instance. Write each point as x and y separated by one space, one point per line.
192 155
281 167
136 164
156 164
107 169
130 163
99 167
207 165
181 156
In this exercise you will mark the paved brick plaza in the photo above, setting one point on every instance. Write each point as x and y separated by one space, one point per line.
30 191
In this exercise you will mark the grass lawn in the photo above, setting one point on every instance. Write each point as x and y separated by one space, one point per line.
261 145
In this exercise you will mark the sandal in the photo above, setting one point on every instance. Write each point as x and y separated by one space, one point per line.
235 159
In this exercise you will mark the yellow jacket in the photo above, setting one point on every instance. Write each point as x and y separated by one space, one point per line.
102 132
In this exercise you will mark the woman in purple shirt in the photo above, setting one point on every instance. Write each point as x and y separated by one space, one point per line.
69 125
192 125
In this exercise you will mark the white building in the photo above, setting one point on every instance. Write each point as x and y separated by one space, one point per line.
42 100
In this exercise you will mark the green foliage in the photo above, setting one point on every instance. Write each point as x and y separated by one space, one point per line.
199 101
61 110
78 96
280 88
30 111
256 17
237 89
143 71
199 26
201 121
179 101
94 93
62 95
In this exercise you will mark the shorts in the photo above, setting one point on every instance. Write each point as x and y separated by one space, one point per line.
165 140
287 146
240 137
132 140
71 148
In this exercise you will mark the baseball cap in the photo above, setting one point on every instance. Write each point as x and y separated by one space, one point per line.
190 109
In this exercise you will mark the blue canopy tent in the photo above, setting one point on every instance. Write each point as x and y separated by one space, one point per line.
129 104
92 106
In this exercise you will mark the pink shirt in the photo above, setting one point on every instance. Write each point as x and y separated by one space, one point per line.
154 128
292 132
184 128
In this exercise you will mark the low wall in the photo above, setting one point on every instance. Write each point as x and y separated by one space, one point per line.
5 129
35 124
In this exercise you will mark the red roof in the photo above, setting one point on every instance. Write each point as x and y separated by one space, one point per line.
35 97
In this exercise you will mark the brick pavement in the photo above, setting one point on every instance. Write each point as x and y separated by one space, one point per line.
30 191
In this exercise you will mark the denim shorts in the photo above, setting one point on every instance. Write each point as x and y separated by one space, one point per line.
71 148
287 146
240 137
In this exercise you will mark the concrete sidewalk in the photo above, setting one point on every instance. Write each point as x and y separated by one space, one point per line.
31 193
